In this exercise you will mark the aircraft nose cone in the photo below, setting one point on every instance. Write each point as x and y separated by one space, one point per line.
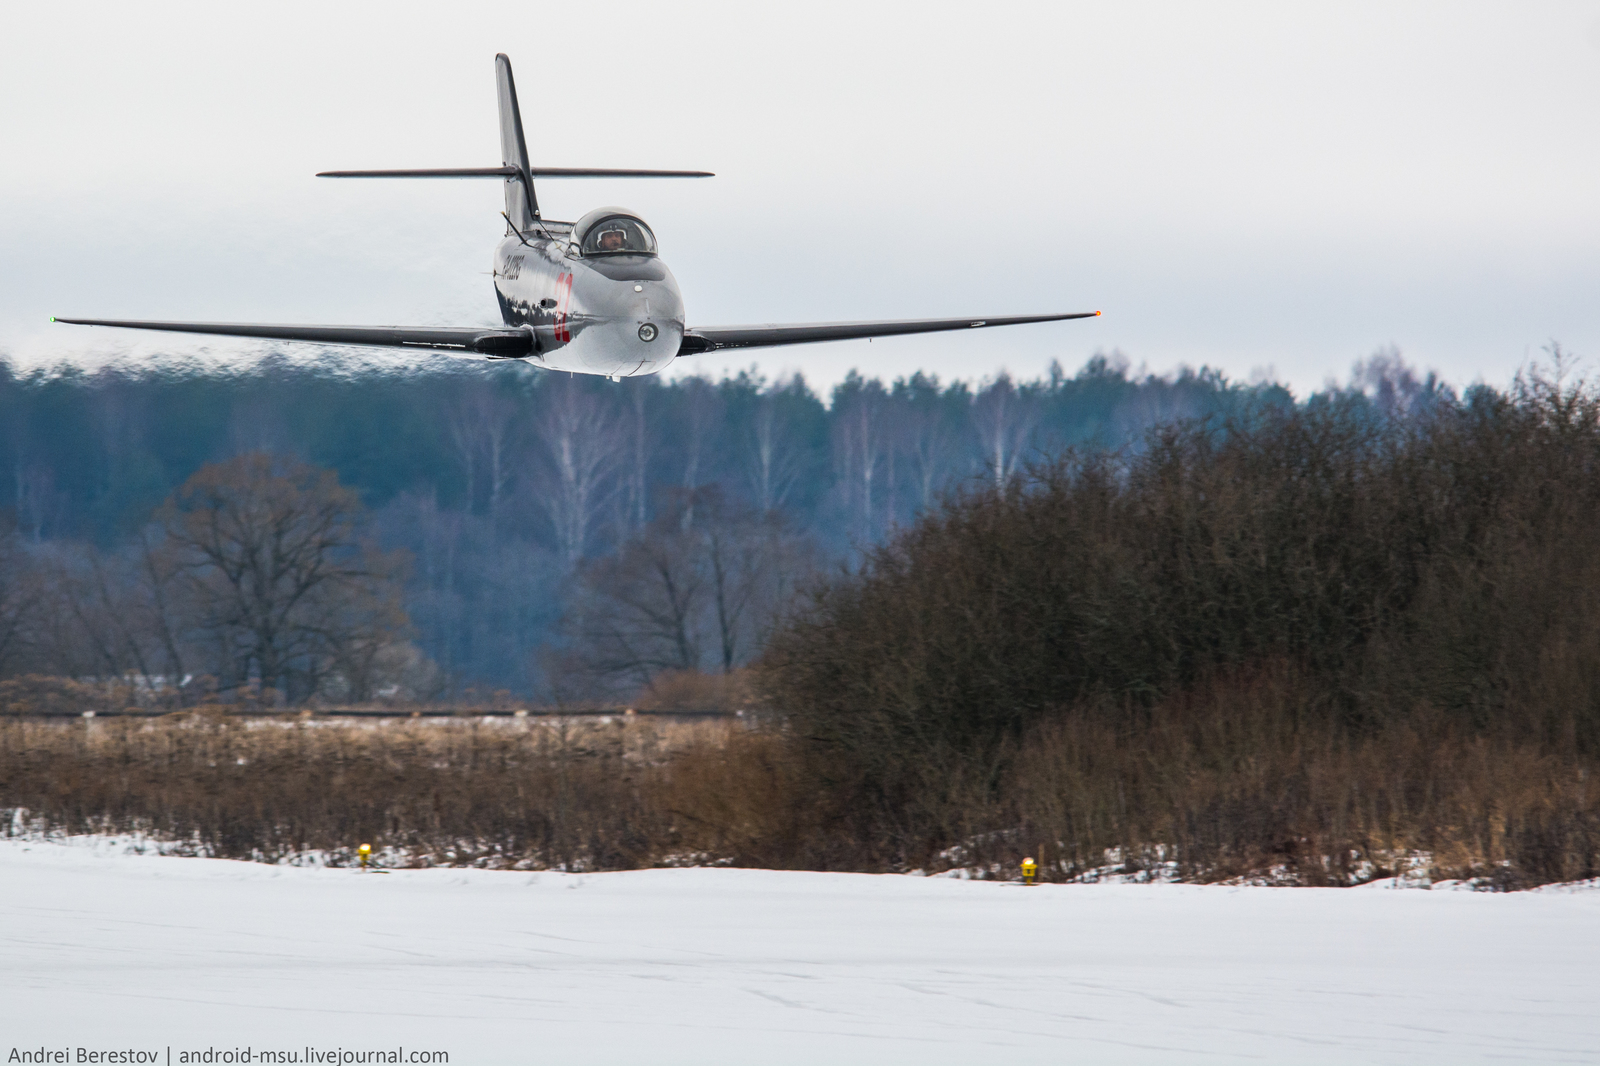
632 324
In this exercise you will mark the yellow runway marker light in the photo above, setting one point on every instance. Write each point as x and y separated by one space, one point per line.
365 851
1030 870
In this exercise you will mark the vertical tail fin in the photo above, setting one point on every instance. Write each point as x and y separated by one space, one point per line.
522 206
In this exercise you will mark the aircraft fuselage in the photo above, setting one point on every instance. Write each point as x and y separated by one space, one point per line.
590 315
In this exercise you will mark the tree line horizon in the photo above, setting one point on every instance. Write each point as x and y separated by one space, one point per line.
570 537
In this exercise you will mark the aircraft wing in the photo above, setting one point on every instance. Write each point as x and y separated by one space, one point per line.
703 339
481 340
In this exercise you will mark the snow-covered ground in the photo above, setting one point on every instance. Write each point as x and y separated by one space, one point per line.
104 950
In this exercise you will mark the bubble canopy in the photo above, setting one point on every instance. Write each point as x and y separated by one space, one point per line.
613 231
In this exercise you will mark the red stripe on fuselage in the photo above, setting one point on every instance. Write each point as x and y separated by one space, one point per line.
563 293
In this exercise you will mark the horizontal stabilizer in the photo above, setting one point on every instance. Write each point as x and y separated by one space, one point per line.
598 172
702 339
503 343
513 172
447 172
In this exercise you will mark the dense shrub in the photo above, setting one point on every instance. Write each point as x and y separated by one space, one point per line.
1442 564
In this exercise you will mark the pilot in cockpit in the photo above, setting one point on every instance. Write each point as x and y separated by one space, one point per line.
613 240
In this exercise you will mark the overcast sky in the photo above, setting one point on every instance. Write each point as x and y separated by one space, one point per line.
1247 185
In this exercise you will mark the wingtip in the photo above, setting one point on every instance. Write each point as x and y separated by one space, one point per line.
1097 314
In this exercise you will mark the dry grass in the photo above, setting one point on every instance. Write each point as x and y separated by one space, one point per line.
1239 778
1245 777
565 793
1247 774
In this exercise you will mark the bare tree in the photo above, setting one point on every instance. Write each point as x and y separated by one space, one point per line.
774 462
630 503
685 599
482 425
581 445
120 419
859 444
281 584
115 615
40 505
674 596
755 562
434 536
464 441
1392 385
1004 418
702 411
94 594
929 436
160 573
19 596
642 610
637 510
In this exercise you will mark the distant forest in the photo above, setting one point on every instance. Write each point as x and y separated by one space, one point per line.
570 536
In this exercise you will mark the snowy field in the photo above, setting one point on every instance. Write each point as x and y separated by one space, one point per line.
103 950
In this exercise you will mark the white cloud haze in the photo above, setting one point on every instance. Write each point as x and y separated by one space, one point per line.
1235 184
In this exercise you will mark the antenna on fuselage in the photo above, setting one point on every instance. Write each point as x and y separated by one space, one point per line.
523 237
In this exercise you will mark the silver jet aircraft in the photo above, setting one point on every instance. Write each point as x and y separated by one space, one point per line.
589 297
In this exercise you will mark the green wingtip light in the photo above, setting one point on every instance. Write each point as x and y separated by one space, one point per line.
52 318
